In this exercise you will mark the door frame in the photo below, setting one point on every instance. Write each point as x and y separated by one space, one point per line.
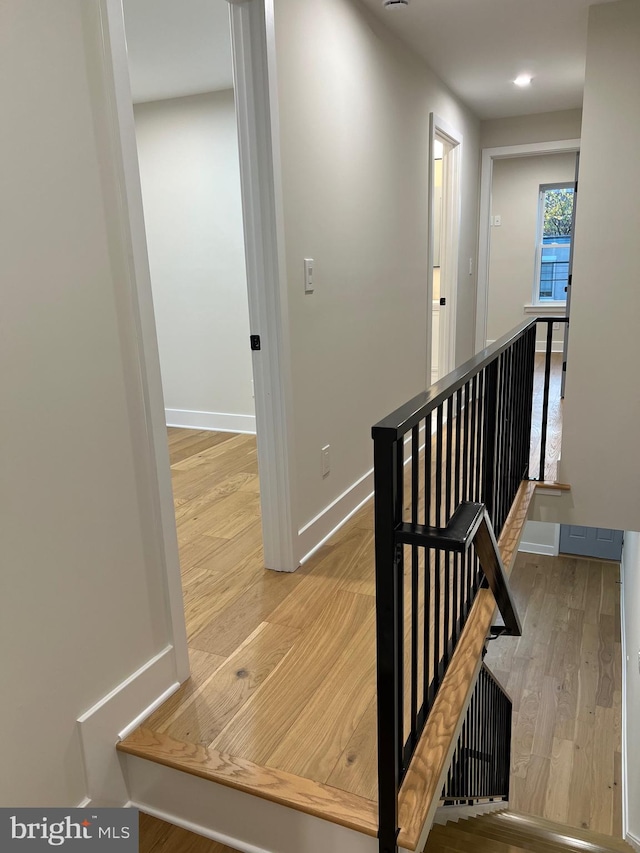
253 40
504 152
452 207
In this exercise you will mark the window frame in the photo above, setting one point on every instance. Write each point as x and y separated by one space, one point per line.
536 300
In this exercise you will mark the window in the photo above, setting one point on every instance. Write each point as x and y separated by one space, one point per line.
553 252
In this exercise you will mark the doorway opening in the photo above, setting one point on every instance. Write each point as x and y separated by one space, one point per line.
444 207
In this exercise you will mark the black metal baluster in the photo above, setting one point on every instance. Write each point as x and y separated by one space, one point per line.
437 594
545 401
480 407
472 440
415 483
465 449
428 484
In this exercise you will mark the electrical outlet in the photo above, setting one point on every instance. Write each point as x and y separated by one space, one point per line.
497 221
326 460
556 326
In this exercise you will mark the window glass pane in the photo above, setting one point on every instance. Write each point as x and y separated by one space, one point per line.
556 244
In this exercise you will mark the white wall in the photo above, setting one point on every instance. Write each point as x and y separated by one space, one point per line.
515 197
541 127
82 598
631 597
539 537
189 167
600 456
354 123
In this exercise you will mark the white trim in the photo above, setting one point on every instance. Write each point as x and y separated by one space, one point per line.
216 421
484 245
624 721
541 346
633 840
317 531
537 272
240 820
154 455
547 309
334 516
197 828
556 346
113 717
451 191
255 86
537 548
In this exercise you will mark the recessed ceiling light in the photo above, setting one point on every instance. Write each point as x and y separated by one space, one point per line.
523 80
395 4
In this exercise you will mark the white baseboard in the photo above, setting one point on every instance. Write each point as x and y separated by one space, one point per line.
113 717
215 421
316 532
536 548
321 528
237 819
556 346
631 839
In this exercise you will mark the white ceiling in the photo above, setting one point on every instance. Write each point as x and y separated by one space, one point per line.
478 47
177 47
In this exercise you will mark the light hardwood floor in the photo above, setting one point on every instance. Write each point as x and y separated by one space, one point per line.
564 676
156 836
283 665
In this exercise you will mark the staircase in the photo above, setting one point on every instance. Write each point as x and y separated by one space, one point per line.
506 832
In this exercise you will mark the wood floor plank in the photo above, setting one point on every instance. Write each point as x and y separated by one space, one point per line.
190 508
223 518
157 836
182 448
262 724
313 744
567 712
357 769
559 791
202 716
202 666
253 604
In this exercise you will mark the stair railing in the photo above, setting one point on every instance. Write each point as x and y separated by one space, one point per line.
482 759
447 467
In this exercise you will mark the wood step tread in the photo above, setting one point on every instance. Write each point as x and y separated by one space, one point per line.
522 839
508 833
548 830
461 841
295 792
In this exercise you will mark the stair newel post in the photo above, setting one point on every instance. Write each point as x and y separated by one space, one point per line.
388 467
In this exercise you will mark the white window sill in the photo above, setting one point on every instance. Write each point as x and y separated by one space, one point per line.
547 309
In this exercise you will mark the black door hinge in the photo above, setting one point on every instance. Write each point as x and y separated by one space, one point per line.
443 300
255 342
